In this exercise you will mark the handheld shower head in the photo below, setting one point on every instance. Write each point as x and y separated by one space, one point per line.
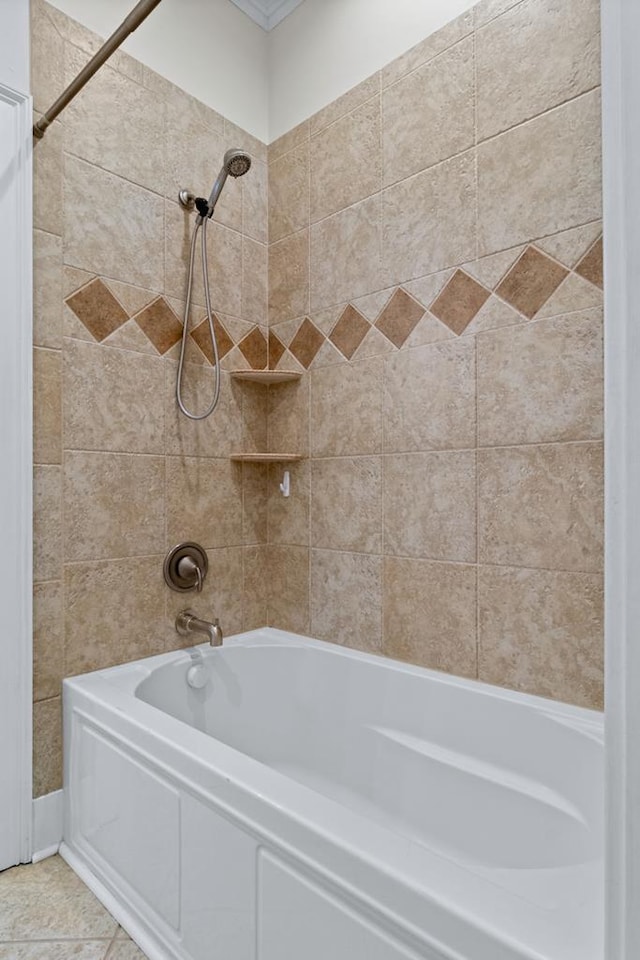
237 163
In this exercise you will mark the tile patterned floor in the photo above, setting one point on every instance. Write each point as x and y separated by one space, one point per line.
47 913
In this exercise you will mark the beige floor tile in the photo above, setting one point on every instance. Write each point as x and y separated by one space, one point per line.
48 900
55 950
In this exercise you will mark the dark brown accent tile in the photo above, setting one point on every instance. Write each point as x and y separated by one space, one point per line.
306 343
459 302
349 331
98 309
202 337
531 281
160 324
590 267
255 350
400 317
276 349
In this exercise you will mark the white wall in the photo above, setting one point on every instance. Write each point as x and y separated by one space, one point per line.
208 47
14 44
325 47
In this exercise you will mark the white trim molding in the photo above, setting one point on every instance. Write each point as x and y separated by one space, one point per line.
48 816
621 143
16 477
267 13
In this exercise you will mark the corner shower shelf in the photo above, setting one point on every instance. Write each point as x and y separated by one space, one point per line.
267 457
266 376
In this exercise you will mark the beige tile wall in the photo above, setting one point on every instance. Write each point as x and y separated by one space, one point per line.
429 248
119 475
435 275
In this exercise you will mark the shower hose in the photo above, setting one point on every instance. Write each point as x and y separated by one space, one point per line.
200 227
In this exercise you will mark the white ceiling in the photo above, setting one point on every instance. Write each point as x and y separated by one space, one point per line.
267 13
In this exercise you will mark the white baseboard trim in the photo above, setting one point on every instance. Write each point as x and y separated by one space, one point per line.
47 825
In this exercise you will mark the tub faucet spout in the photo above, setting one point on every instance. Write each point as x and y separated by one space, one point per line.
187 623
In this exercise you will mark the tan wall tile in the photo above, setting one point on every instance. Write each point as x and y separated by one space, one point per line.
346 409
47 180
219 435
346 504
47 406
429 220
112 399
255 279
47 290
533 58
224 261
542 632
430 614
289 278
204 501
113 505
115 123
114 612
255 206
345 104
288 141
430 397
245 141
541 506
430 505
48 640
346 161
194 155
127 248
288 571
542 381
47 746
255 482
255 587
288 517
254 417
346 599
345 254
430 114
430 47
47 78
541 177
289 193
47 523
289 417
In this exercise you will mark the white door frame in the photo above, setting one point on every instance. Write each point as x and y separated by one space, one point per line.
15 476
621 141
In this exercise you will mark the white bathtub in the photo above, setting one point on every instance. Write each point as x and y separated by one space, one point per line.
314 803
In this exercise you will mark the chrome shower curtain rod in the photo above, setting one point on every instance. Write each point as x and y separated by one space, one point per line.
139 13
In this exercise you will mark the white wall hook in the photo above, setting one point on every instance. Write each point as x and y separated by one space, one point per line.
285 486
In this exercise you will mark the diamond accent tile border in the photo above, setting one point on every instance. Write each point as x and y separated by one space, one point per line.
349 331
97 308
160 324
400 317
